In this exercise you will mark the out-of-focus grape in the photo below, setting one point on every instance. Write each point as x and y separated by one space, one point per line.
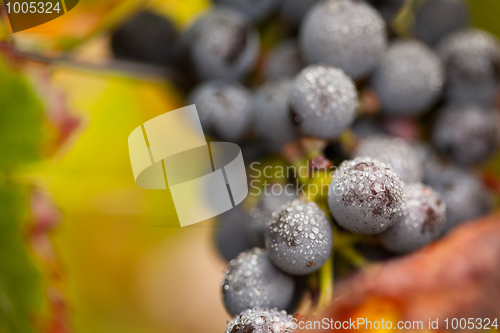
221 44
146 37
436 18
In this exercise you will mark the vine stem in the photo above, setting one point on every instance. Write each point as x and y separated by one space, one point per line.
325 285
326 272
353 256
344 244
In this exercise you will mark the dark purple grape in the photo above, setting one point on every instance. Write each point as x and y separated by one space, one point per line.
387 8
222 44
350 35
273 123
258 320
396 153
225 109
366 126
251 280
409 79
295 10
260 216
431 163
146 37
423 220
465 196
467 133
365 196
284 60
299 239
231 233
437 18
256 9
323 101
472 61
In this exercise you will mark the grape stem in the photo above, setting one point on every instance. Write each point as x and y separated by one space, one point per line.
326 286
344 244
353 256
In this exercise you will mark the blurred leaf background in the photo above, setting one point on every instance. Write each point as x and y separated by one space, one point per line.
126 266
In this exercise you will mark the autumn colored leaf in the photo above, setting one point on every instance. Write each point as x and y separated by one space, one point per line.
456 277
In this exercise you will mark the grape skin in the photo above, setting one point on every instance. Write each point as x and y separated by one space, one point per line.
299 239
222 44
323 101
366 126
396 153
387 8
284 60
252 280
365 196
224 108
437 18
128 41
409 80
231 234
423 220
260 216
348 34
256 9
258 320
472 61
295 10
431 163
465 196
273 123
467 133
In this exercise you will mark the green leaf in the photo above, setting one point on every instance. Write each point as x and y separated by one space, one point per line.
20 281
21 119
21 125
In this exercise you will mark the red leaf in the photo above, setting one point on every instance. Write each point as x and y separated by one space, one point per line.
456 277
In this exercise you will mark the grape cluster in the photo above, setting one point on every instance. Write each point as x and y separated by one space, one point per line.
298 240
431 163
294 10
400 120
366 126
